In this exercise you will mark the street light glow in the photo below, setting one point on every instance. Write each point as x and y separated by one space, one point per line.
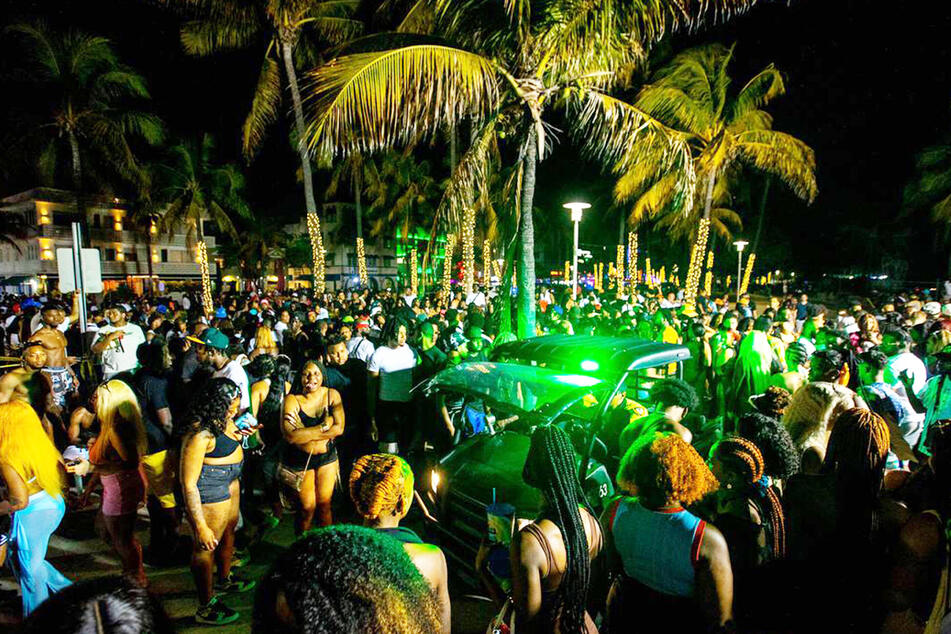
740 245
576 209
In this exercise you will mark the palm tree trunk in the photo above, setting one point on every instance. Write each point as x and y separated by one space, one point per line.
358 200
149 259
526 259
698 254
287 53
78 184
762 214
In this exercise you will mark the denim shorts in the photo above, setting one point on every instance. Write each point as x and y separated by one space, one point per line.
215 480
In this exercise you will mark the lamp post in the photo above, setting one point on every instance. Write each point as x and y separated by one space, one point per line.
576 209
740 245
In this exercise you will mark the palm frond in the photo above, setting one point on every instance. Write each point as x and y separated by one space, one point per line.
40 51
419 19
209 36
264 108
782 155
765 86
337 30
676 109
367 101
619 133
119 83
661 195
470 177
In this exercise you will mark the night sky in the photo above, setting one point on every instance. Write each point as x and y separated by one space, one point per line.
867 89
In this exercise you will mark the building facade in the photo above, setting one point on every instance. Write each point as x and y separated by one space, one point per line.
136 256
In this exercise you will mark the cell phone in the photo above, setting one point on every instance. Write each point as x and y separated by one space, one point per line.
246 421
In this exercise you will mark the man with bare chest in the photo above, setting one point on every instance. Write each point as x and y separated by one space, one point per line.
51 337
28 383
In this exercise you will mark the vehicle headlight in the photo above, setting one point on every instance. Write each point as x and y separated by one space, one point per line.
434 479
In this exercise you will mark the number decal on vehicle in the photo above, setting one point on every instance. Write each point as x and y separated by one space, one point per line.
603 490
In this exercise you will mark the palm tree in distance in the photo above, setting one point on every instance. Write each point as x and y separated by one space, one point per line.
506 65
191 188
727 130
291 34
930 188
88 100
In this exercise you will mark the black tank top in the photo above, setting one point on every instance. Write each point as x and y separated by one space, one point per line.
224 446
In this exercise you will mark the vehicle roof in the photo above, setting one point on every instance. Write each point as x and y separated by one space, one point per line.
499 382
614 355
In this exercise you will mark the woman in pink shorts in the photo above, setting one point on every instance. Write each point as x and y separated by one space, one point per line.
116 458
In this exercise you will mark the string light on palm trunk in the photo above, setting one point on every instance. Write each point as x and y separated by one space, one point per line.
620 268
486 263
447 264
708 280
413 271
744 286
567 273
206 301
317 251
468 250
362 264
648 273
696 263
632 255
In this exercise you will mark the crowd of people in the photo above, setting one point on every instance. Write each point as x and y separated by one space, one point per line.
791 480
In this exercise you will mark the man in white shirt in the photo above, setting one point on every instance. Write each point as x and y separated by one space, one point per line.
896 343
358 346
117 342
476 297
390 371
282 324
213 350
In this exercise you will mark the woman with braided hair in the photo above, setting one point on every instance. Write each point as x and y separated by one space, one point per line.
672 564
748 510
551 557
381 487
838 524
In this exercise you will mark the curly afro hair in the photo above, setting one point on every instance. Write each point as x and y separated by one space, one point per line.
773 402
674 392
780 457
345 579
663 469
209 406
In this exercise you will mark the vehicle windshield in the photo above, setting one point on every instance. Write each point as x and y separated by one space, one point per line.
520 387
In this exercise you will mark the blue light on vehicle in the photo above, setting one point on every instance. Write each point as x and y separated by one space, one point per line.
589 366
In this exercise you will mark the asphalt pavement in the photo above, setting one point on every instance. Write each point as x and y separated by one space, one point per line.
78 552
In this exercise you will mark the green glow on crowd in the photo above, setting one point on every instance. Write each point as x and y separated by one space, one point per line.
589 366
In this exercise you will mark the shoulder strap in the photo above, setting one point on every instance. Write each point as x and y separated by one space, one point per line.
533 530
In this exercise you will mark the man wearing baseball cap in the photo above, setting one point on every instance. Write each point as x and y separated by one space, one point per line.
213 350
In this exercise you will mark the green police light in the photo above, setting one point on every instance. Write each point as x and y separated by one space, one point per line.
589 366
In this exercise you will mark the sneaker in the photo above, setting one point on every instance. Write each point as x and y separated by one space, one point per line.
215 613
234 584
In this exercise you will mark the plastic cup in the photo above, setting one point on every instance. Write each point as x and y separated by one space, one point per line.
499 519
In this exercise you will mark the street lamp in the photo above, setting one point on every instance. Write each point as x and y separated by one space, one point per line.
576 209
740 245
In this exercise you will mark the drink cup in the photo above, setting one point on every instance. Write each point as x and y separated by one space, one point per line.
499 518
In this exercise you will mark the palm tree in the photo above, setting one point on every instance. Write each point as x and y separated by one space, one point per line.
356 171
727 130
192 188
87 99
508 64
262 243
931 188
404 194
290 33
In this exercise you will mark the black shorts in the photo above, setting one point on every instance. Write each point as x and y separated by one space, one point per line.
296 459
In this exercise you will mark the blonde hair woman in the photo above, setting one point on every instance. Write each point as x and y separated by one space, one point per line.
264 343
31 469
116 458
